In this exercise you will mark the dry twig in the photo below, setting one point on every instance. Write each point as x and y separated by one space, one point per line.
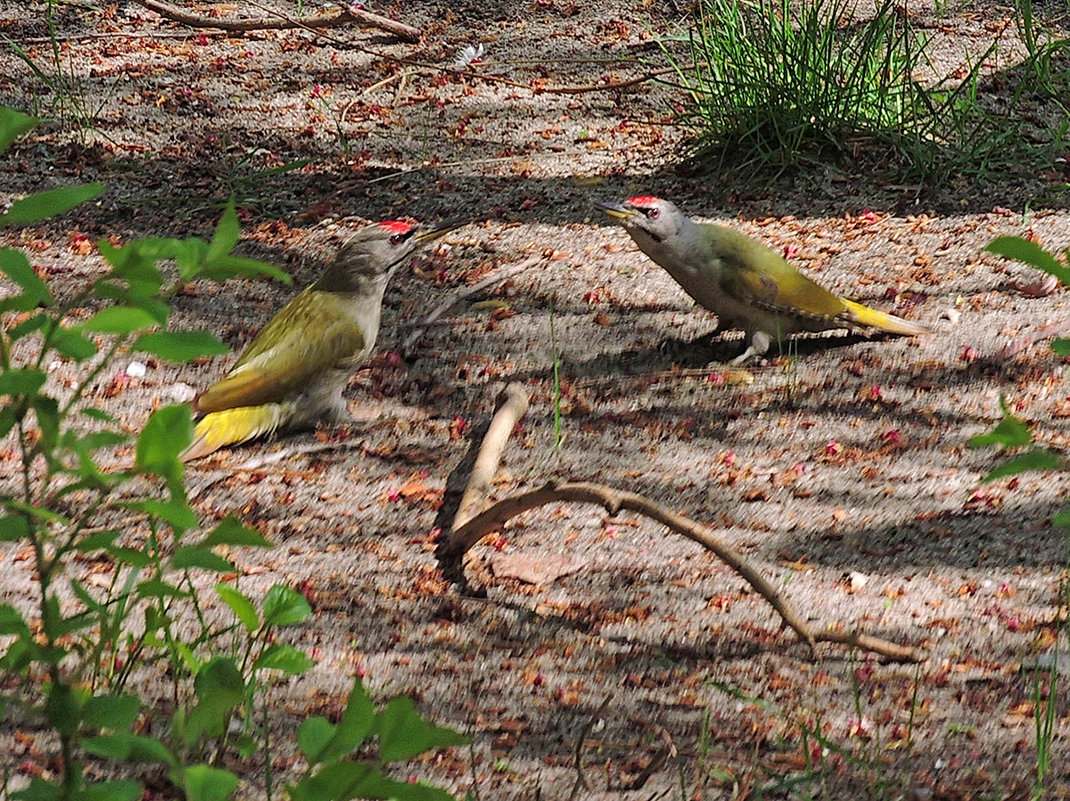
280 21
463 537
457 297
512 405
466 531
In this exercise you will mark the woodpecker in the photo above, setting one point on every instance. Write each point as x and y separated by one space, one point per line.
293 373
746 284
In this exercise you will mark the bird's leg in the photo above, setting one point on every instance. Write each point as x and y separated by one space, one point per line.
759 344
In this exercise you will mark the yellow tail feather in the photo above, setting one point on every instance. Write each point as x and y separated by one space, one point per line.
871 318
234 426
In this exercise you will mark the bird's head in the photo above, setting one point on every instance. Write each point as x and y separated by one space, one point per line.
650 220
375 251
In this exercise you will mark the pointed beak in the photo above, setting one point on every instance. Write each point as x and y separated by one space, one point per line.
616 211
431 234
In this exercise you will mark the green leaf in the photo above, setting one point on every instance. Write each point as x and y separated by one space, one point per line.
119 320
1061 347
128 747
11 621
357 722
232 532
158 588
47 411
284 607
136 558
14 124
189 556
283 657
1062 517
1040 459
1009 433
176 513
9 415
166 434
220 687
96 541
15 265
110 711
203 783
246 746
21 381
226 236
61 707
404 734
94 413
313 735
338 781
83 595
189 257
49 203
240 604
114 790
39 790
28 326
378 785
135 264
14 528
1028 252
233 266
180 346
99 439
57 625
39 512
73 345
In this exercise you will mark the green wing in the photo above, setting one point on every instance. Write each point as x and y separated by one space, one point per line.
758 275
312 333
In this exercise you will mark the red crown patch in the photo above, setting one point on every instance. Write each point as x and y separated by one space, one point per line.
396 226
643 200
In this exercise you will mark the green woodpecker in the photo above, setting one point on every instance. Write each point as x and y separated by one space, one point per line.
293 373
746 284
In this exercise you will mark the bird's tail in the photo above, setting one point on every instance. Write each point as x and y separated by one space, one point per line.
866 317
234 426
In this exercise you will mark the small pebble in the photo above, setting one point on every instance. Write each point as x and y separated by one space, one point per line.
136 370
182 393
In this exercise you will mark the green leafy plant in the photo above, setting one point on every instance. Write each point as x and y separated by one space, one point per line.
70 98
1044 50
1012 433
68 664
771 84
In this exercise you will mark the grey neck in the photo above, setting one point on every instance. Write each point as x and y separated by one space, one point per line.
337 278
366 306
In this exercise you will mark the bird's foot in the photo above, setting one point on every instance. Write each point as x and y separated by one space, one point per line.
757 346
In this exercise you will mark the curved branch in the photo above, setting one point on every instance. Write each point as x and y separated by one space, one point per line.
328 20
512 405
462 538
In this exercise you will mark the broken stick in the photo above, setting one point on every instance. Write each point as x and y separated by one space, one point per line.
280 21
468 529
512 405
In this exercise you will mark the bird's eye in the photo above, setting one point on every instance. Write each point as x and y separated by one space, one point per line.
397 239
652 214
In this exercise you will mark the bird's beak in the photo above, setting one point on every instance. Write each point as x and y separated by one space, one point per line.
616 211
431 234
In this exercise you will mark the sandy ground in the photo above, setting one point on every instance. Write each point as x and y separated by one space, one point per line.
842 469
